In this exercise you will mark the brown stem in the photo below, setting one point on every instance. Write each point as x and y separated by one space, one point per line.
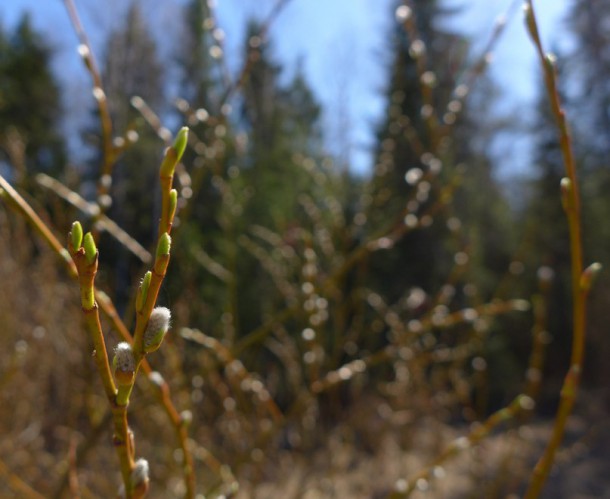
109 155
571 201
17 484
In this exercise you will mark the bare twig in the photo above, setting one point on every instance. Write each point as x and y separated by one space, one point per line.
403 488
109 154
252 56
17 484
93 210
581 280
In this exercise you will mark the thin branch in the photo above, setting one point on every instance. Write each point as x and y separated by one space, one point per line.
86 53
581 282
92 210
105 304
17 484
404 488
252 53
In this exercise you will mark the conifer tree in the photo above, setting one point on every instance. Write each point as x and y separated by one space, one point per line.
30 104
202 222
282 121
283 152
131 70
412 144
434 193
200 70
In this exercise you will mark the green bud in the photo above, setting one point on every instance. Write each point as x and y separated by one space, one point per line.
124 364
164 245
180 142
174 153
90 248
76 236
143 291
173 202
156 329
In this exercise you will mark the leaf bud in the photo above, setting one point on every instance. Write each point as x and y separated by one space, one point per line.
90 248
186 417
180 142
76 236
143 291
174 153
173 202
164 245
566 193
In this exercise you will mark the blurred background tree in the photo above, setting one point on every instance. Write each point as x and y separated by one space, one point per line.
30 105
131 70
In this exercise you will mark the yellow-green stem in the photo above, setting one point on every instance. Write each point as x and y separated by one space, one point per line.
105 304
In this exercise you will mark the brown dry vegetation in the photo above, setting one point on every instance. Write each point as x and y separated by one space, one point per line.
52 405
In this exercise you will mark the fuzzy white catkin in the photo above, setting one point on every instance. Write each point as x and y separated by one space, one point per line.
140 472
124 359
158 324
156 378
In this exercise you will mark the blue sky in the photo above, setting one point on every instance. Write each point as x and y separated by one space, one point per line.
339 41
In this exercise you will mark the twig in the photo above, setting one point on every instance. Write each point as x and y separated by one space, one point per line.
17 484
581 281
109 155
251 57
73 470
93 210
105 303
228 360
21 206
81 453
403 488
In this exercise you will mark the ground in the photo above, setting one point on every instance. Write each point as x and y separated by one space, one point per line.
499 467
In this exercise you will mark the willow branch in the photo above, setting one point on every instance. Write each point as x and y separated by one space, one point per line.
581 281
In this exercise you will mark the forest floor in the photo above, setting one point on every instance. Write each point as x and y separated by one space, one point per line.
499 467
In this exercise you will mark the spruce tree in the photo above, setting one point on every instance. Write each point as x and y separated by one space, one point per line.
412 144
199 69
30 104
434 193
131 70
283 152
204 233
282 122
